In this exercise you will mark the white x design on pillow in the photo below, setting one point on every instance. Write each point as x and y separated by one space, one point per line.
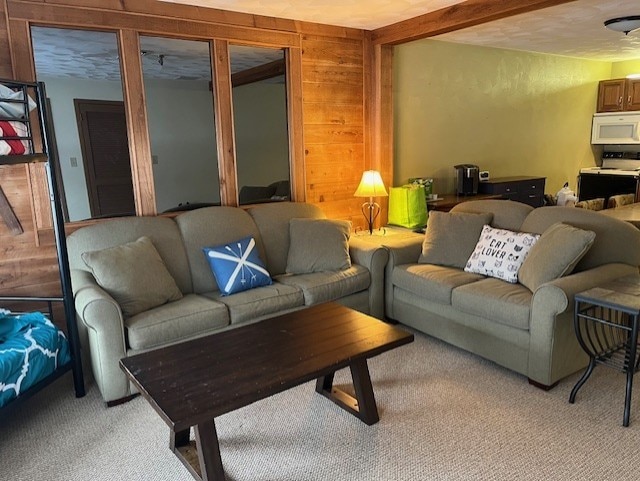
242 263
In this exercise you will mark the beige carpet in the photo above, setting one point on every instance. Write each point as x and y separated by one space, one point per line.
445 414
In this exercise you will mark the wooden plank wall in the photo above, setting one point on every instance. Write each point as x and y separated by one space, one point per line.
5 54
330 62
25 269
333 106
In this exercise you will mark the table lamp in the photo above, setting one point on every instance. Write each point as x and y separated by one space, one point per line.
371 186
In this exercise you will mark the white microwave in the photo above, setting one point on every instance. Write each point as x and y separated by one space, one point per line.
616 128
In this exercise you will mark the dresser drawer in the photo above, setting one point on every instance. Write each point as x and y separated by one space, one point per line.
509 188
534 185
529 190
534 200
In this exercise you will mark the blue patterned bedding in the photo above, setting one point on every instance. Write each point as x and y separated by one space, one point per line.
31 348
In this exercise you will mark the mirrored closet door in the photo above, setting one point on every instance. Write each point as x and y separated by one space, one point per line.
259 95
179 102
81 71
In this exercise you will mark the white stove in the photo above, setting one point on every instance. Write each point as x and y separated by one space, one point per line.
619 174
610 171
617 163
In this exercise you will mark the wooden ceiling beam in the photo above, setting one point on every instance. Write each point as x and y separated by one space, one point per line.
261 72
455 17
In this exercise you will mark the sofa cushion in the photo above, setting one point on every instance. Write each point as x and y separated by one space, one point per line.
507 214
496 300
273 222
555 254
190 316
134 274
451 237
212 226
162 231
283 189
613 236
255 193
431 282
237 266
259 302
320 287
318 245
500 253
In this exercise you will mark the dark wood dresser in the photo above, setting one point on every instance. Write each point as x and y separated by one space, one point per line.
448 201
528 190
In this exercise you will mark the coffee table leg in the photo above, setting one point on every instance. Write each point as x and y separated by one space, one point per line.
324 383
363 406
179 439
364 392
209 452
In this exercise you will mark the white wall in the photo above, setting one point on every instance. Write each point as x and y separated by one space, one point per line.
62 91
182 133
262 140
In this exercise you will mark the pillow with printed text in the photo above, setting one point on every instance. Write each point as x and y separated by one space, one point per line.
499 253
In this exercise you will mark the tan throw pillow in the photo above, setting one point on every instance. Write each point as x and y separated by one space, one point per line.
555 254
318 245
451 237
134 275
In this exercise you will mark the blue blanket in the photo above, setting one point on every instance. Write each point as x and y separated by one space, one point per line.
31 348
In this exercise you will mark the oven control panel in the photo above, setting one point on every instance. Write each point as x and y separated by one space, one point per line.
621 155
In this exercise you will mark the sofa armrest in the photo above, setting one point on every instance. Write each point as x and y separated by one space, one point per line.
102 317
554 351
402 251
374 258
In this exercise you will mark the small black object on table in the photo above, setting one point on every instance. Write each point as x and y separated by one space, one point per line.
606 325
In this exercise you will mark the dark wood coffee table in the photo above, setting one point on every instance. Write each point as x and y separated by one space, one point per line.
192 383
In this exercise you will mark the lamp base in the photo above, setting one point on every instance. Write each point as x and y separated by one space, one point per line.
379 232
370 210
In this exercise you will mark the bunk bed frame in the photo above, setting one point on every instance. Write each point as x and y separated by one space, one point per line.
41 153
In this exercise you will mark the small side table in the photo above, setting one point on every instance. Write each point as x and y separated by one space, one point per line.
606 325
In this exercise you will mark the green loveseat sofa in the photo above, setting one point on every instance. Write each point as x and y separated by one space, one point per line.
530 332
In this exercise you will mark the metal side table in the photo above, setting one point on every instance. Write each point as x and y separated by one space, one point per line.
606 325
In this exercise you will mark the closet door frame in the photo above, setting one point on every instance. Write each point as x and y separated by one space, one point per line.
128 28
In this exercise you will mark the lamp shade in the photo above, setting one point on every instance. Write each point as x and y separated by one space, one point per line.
371 185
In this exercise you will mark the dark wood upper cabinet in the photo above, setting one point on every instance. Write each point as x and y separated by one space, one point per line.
633 94
618 95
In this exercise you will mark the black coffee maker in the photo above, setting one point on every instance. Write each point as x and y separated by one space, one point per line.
467 178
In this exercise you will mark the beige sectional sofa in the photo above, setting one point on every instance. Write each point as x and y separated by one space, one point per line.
109 334
530 332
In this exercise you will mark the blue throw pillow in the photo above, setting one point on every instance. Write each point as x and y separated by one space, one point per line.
237 266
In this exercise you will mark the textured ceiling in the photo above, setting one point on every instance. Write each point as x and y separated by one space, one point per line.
94 55
574 29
